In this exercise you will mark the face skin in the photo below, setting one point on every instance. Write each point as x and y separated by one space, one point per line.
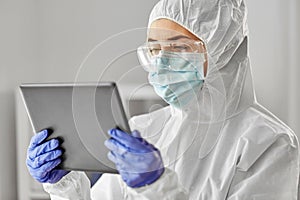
165 29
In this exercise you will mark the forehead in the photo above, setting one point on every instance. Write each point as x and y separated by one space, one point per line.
162 29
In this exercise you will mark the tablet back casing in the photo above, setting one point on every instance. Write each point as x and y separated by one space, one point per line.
80 114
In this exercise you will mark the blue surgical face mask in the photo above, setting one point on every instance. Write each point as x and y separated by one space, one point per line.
177 77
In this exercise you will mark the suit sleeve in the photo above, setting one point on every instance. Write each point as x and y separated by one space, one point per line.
274 175
167 187
73 186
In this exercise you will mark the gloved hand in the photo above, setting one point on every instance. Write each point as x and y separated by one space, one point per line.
138 162
43 157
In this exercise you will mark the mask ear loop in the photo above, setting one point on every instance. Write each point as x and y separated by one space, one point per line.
203 51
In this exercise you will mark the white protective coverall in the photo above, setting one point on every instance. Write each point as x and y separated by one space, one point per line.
223 145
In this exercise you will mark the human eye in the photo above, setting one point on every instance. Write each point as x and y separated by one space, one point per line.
154 49
180 47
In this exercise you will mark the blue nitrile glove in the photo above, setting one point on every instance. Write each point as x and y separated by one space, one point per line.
138 162
43 157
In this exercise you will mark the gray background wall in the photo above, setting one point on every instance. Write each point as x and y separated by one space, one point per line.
46 40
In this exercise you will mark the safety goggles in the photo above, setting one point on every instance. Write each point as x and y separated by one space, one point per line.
181 48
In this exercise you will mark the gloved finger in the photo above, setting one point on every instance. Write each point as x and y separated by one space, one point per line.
41 173
122 137
48 166
120 169
41 177
124 164
136 134
116 160
43 148
135 164
131 161
112 157
38 138
128 140
116 146
42 159
134 167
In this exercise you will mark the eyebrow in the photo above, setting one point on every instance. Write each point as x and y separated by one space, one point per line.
177 37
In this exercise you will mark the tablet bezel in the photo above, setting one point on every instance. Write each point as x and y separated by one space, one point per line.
27 89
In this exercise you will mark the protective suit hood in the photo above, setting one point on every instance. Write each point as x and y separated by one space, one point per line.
223 145
228 88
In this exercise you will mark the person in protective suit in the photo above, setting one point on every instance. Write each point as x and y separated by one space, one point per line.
213 141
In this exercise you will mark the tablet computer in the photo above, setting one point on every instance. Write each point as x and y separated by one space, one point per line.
80 114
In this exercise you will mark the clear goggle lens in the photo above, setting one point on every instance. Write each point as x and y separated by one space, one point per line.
148 51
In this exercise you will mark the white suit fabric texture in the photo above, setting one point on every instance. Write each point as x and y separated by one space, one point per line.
223 145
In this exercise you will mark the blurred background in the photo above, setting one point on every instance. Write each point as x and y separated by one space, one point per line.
47 41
